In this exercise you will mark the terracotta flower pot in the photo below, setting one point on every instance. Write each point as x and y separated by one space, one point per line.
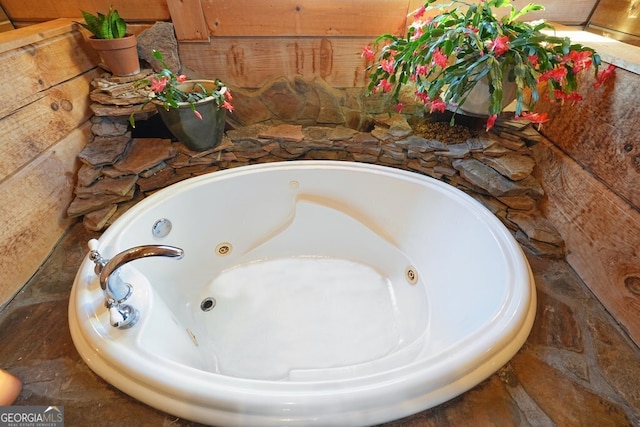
196 134
119 55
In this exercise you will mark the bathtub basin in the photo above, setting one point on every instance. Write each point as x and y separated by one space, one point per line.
310 292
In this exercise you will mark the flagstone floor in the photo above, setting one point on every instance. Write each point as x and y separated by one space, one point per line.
577 367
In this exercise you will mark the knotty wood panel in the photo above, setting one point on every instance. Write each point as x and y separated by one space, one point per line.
188 20
601 132
34 128
251 62
601 231
329 18
45 10
32 212
38 66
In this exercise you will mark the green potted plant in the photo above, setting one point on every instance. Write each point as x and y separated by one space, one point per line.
193 110
466 48
117 48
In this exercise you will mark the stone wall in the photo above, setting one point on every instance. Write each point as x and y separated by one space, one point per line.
119 170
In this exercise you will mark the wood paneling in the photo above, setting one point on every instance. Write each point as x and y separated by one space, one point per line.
601 132
44 124
51 58
188 20
45 10
31 130
251 62
328 18
32 212
601 231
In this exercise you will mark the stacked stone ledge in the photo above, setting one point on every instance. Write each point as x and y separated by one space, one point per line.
497 169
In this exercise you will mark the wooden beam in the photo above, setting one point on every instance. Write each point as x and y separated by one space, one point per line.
601 231
188 20
32 212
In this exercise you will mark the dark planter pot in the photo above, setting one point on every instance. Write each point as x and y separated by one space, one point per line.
196 134
120 56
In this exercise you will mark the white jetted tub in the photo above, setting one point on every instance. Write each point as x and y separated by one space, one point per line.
310 292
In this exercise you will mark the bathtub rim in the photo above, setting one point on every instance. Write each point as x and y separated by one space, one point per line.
441 388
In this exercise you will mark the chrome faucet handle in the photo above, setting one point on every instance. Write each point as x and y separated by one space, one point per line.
95 256
121 316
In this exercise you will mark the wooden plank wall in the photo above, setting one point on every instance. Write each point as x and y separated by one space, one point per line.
44 124
23 12
246 43
591 175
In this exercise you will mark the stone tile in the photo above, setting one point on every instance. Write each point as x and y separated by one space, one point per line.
496 184
145 153
536 227
116 186
80 206
617 360
556 326
104 150
513 166
567 403
283 133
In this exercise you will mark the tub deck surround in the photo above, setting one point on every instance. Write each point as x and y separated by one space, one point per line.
576 368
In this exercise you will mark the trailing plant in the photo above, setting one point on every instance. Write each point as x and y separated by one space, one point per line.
446 55
166 88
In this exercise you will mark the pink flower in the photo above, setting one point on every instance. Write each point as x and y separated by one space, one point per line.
581 60
417 14
499 45
561 96
557 74
388 65
226 105
421 70
227 95
399 107
385 85
491 121
368 53
181 78
197 113
158 85
422 96
533 117
439 58
438 105
604 75
533 59
419 31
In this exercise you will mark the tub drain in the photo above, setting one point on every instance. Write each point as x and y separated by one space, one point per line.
207 304
411 275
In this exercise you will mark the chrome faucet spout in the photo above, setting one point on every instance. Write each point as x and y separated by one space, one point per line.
124 316
137 252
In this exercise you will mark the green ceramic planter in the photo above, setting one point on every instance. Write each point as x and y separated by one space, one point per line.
196 134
